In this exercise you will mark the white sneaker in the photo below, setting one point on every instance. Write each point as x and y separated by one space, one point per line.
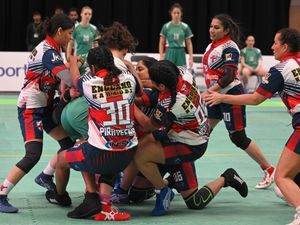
267 180
296 220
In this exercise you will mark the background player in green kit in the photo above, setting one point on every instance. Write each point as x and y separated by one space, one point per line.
84 34
251 60
175 36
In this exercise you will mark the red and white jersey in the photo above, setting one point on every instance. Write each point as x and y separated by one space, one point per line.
111 110
44 65
216 56
284 78
186 121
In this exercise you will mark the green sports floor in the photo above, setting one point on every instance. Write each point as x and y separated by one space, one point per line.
268 124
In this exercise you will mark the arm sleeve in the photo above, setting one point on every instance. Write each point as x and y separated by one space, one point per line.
188 32
162 116
271 84
53 61
231 60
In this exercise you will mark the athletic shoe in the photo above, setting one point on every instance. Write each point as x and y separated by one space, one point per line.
268 178
233 180
110 212
89 207
62 200
296 220
45 181
163 201
5 206
119 196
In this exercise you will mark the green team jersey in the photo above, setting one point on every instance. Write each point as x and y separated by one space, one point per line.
251 56
83 38
176 34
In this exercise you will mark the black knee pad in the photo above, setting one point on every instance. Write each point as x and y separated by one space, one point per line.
108 179
199 198
138 195
240 139
65 143
32 156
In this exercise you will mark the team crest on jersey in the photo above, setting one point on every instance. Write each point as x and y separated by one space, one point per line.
296 74
265 79
228 56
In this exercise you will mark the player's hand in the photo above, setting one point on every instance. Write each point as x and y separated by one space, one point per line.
74 93
212 98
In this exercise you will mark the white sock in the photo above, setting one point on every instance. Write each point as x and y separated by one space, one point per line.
49 170
6 187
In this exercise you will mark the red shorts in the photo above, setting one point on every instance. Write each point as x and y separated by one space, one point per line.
293 143
34 121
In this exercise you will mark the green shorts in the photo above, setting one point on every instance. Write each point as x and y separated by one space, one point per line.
74 119
176 55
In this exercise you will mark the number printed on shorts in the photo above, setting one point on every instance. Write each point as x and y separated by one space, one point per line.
226 117
118 111
178 176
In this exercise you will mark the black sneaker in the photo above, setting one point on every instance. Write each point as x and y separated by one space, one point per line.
233 180
90 206
62 200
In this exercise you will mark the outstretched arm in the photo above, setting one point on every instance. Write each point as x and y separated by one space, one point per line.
214 98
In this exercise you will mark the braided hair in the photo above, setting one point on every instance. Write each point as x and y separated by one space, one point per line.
167 73
102 58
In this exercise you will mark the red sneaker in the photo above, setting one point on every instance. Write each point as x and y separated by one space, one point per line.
110 212
268 178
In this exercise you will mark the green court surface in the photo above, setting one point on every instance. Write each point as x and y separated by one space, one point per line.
269 125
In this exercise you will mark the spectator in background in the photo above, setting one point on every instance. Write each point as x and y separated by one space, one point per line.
251 60
73 15
175 35
33 38
58 10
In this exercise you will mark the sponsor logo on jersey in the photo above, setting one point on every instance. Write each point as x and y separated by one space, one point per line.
296 74
56 58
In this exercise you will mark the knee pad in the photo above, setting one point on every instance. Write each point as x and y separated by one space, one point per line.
65 143
32 156
138 195
199 198
108 179
240 139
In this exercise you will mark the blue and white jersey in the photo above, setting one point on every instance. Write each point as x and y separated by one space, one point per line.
186 121
284 78
217 55
45 66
